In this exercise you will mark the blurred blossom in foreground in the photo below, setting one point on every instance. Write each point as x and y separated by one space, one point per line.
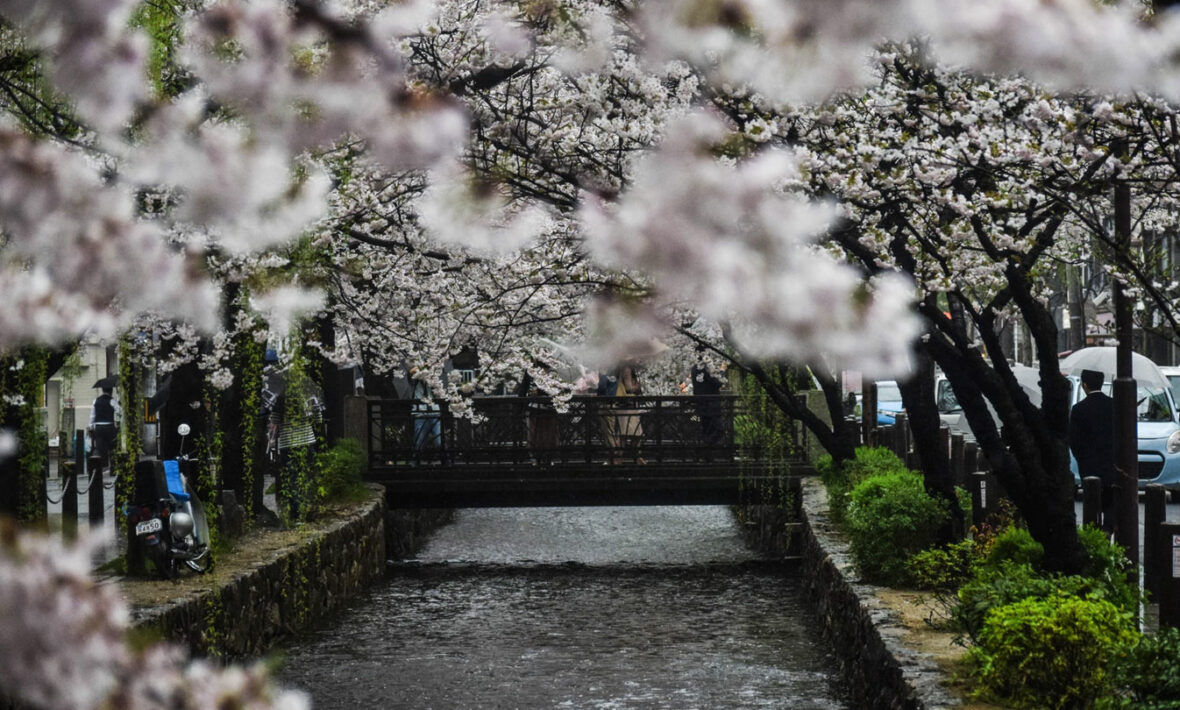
63 643
1065 44
283 306
8 443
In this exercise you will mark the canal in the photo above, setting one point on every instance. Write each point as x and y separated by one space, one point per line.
604 608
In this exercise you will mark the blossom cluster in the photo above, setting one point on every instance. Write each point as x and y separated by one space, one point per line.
63 638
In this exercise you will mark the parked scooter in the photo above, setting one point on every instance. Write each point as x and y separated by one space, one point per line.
170 525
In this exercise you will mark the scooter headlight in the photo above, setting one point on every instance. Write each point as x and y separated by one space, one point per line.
180 524
1173 445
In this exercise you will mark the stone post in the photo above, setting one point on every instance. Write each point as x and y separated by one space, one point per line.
1154 516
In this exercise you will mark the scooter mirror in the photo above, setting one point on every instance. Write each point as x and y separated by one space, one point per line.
183 429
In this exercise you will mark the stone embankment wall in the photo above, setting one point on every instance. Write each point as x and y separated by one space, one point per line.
268 600
882 673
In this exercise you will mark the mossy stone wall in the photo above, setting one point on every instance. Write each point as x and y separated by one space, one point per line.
882 673
281 596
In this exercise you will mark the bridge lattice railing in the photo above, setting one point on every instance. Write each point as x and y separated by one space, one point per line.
526 430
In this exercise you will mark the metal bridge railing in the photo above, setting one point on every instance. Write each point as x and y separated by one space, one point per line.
529 430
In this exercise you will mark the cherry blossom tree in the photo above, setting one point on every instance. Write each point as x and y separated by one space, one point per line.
464 174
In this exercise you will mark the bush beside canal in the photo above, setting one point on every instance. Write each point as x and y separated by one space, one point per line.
1033 638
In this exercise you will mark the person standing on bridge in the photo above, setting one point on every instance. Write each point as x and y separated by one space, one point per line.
628 423
1091 440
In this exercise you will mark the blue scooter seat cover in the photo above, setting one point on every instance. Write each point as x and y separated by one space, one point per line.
175 485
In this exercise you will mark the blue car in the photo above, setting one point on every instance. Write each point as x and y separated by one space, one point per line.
1158 433
888 402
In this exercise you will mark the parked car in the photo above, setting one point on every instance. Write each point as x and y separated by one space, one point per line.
1157 425
1173 375
951 412
888 402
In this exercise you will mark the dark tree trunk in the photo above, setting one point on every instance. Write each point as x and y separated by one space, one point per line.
185 405
838 438
1077 309
1028 454
845 431
917 393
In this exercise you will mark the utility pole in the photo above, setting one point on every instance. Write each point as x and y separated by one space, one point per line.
1126 457
1077 309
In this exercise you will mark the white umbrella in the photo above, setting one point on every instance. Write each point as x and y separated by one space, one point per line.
1029 379
1103 359
645 350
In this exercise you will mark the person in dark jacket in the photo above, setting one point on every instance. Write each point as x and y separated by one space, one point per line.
1091 439
104 427
705 388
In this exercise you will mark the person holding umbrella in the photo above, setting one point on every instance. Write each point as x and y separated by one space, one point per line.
105 414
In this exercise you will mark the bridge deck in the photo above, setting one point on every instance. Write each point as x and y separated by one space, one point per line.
521 452
583 485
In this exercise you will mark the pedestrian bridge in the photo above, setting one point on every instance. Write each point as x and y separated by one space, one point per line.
523 451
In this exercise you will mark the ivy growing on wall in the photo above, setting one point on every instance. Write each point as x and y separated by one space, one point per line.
207 469
248 368
33 437
22 383
299 470
131 431
761 424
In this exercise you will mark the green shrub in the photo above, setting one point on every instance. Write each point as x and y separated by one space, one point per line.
839 481
944 569
890 518
1013 544
339 470
1108 565
1146 675
1006 583
1051 652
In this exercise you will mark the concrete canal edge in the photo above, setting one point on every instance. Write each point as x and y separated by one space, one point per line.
883 672
281 583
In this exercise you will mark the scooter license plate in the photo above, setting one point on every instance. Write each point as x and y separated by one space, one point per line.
149 526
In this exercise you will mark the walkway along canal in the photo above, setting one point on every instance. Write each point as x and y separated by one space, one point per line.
637 607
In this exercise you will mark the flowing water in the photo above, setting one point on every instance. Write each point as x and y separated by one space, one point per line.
606 608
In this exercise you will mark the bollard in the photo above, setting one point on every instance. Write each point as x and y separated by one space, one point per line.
1168 555
970 459
1091 500
94 493
868 412
901 433
79 451
69 501
1155 514
958 473
980 501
